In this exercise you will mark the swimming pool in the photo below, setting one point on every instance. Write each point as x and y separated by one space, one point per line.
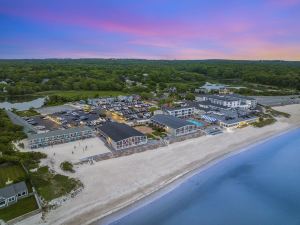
197 123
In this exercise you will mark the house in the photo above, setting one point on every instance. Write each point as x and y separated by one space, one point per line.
173 125
59 136
121 136
180 111
12 193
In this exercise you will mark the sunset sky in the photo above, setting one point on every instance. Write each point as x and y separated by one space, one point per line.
150 29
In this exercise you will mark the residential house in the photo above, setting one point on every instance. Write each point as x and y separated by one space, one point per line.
12 193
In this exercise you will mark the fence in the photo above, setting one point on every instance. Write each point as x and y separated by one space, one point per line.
124 152
185 137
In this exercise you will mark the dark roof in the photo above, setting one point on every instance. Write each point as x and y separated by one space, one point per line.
170 121
119 131
13 189
242 96
59 132
224 98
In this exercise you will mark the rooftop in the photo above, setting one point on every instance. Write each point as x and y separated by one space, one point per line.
13 189
119 131
59 132
171 121
224 97
212 105
241 96
231 120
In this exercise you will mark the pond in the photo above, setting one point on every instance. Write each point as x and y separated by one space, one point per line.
21 104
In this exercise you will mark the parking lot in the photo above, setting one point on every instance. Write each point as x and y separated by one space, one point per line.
277 100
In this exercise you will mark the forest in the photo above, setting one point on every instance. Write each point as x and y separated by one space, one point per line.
19 77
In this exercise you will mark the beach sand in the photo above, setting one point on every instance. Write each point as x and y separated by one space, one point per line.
116 183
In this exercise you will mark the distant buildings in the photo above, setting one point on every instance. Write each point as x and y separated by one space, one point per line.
223 100
209 88
173 125
250 102
230 101
228 111
59 136
121 136
236 122
12 193
180 111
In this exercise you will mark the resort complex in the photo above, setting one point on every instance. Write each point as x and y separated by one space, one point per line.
149 112
124 122
88 131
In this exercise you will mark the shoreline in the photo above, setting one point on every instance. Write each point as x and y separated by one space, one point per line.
115 186
179 180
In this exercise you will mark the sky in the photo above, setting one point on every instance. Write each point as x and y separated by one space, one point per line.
150 29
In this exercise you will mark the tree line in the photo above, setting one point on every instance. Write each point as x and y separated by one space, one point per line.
30 76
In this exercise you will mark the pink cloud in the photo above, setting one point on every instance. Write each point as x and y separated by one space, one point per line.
135 25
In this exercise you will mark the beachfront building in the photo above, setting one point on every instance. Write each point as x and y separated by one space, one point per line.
180 111
227 121
59 136
173 125
12 193
121 136
229 100
237 122
224 100
250 102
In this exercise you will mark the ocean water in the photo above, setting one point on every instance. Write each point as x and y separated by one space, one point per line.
256 187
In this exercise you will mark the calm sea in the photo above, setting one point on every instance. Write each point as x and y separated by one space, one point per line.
256 187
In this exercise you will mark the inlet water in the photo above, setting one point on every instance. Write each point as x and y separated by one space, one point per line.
23 105
256 187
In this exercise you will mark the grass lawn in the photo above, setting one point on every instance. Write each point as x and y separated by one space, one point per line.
83 94
11 172
264 122
20 208
51 186
276 113
27 113
159 133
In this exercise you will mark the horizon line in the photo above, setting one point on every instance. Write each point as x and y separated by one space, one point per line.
154 59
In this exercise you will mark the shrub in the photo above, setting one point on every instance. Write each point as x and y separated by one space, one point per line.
67 166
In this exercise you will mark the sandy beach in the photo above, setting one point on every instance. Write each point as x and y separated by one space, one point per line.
116 183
